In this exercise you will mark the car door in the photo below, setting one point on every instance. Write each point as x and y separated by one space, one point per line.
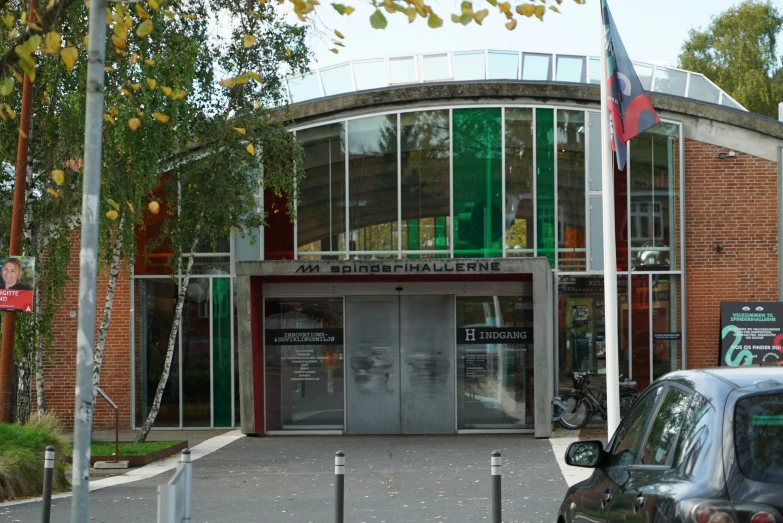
593 501
647 495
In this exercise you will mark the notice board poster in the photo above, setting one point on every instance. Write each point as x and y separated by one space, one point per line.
751 333
18 274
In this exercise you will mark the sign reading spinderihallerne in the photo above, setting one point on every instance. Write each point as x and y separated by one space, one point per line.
751 333
18 274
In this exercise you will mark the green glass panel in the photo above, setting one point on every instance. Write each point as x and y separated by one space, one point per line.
440 233
478 210
221 351
413 236
545 184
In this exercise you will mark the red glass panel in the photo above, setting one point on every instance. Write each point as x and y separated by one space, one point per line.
279 233
640 329
156 261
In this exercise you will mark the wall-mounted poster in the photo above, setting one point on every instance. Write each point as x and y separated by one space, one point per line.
18 276
751 333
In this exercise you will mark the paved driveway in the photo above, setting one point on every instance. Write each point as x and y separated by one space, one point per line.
388 479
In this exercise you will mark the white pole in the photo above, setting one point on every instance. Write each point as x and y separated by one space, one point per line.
610 256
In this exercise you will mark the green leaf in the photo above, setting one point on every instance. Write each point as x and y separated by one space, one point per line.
434 21
340 8
377 20
114 204
6 86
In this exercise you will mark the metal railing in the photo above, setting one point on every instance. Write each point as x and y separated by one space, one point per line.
486 64
174 498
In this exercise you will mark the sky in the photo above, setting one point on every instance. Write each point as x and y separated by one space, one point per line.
652 30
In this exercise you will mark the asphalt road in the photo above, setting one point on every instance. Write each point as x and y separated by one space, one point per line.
388 479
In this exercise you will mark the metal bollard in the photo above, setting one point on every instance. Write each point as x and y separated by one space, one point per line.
47 484
495 467
186 463
339 486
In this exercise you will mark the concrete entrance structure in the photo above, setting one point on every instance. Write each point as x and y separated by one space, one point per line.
448 277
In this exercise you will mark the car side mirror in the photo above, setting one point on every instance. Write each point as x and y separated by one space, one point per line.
584 454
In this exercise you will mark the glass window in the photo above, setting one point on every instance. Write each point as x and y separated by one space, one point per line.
520 235
628 437
654 198
279 232
665 427
502 65
571 240
670 81
582 328
594 138
402 70
729 102
691 459
247 245
667 324
545 184
369 74
303 351
638 320
425 180
372 181
645 74
469 66
221 351
321 208
536 67
154 302
435 67
595 70
196 354
757 442
304 87
570 69
478 211
337 79
494 380
702 89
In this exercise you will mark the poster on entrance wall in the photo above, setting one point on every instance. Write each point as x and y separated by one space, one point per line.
18 277
751 333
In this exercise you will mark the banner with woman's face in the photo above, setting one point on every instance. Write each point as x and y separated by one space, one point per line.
18 278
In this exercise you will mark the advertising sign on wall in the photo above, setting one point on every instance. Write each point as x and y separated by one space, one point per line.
751 333
18 274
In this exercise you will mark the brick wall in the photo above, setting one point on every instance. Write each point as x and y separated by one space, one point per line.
60 365
732 202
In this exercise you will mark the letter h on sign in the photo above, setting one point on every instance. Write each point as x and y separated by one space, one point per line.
470 334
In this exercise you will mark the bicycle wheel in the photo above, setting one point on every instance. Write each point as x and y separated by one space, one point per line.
626 402
577 413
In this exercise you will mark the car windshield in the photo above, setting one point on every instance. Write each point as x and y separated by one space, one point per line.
757 437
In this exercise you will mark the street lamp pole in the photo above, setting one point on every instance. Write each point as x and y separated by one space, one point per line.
88 258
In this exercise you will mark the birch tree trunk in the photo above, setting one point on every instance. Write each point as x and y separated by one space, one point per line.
23 391
164 378
103 330
40 393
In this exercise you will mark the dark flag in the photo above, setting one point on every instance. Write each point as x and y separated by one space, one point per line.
630 108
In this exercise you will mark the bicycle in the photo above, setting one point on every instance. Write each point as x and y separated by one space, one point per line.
584 401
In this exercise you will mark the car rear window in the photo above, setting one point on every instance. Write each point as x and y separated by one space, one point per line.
758 437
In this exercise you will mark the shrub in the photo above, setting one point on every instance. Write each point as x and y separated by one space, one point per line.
22 449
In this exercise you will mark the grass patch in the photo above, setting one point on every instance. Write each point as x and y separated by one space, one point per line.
22 449
107 448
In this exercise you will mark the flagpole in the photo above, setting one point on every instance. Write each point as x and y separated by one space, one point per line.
610 254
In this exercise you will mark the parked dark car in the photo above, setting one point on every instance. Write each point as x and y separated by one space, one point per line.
703 446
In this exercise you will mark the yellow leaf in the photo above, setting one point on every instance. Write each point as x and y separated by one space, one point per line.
480 16
126 93
166 90
7 86
8 21
169 14
53 41
2 115
250 149
10 111
50 5
335 51
143 14
242 79
35 27
540 11
151 84
255 76
189 17
58 175
109 118
248 41
119 41
139 112
511 24
109 69
112 215
69 56
134 123
53 192
149 62
134 57
135 86
162 118
130 206
154 207
257 104
178 94
349 9
228 83
338 34
527 10
144 29
555 9
240 130
153 4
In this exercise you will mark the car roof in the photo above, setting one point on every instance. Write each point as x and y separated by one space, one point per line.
738 377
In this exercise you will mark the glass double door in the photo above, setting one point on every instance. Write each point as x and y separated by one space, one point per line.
400 367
